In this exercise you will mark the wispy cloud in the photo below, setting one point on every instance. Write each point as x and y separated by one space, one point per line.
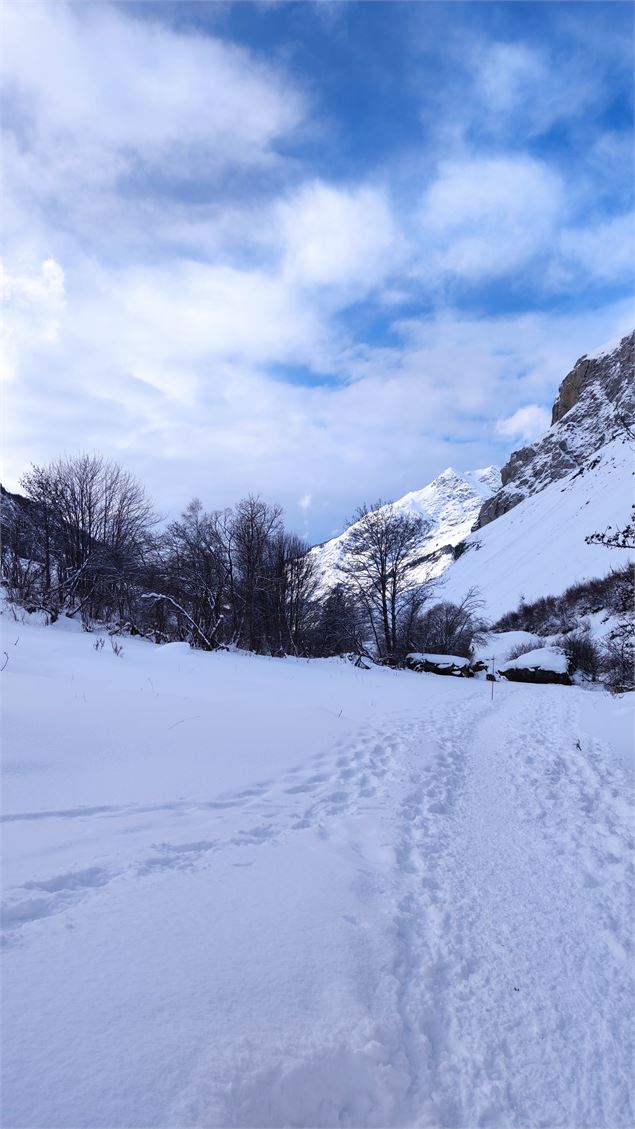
486 217
99 91
527 423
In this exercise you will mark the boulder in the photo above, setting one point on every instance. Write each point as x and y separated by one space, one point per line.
543 665
535 674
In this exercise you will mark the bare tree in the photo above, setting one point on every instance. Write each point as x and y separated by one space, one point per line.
377 565
338 629
288 594
95 521
197 572
253 525
451 629
615 538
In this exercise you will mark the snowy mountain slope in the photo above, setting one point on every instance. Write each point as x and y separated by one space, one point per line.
538 547
593 401
261 892
449 506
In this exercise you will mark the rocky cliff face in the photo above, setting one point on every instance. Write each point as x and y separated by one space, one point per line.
592 401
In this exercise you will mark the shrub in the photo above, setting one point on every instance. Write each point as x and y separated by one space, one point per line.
449 629
551 615
583 654
520 649
617 660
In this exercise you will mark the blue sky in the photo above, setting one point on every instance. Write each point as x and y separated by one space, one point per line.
317 251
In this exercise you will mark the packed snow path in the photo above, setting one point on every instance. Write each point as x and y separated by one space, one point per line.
424 921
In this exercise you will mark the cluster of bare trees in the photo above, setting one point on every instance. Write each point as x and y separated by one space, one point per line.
233 577
85 540
82 539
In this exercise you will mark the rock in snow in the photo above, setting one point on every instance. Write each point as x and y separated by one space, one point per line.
541 658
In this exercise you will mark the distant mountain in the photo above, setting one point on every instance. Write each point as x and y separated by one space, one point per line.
449 506
18 524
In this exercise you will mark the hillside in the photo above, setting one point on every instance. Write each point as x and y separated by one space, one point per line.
538 547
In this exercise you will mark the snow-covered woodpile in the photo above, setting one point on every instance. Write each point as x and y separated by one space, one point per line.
543 665
443 664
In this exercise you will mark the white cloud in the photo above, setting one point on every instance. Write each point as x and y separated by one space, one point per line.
151 378
485 217
520 88
604 252
205 313
33 306
101 90
338 237
526 423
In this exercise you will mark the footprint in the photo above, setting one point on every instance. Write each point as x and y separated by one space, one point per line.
74 880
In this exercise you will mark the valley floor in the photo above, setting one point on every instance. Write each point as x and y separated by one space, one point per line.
252 892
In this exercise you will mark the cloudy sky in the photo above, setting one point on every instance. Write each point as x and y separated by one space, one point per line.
315 251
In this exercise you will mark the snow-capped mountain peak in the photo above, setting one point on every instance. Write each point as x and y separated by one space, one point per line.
449 506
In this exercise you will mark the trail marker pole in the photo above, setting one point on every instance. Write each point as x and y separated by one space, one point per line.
493 677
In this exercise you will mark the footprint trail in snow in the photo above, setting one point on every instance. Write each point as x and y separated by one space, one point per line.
456 885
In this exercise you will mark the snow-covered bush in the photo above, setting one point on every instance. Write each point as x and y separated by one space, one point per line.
617 662
450 629
583 653
554 615
520 649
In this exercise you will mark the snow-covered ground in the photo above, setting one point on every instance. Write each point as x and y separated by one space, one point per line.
260 892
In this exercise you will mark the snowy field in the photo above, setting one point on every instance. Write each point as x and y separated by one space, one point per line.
255 892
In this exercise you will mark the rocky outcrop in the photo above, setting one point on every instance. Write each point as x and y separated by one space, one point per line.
540 677
593 402
543 665
607 369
